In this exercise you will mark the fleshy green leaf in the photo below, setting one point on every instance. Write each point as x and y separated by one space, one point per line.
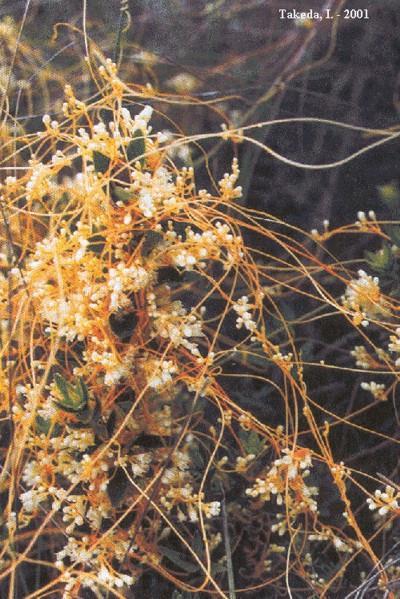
74 397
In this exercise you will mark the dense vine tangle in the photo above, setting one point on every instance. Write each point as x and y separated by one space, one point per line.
130 302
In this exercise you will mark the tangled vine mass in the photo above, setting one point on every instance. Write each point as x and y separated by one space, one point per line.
133 305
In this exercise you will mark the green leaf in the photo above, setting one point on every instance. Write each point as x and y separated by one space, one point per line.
390 194
381 261
394 233
74 397
136 148
43 426
101 162
252 442
175 558
120 194
197 544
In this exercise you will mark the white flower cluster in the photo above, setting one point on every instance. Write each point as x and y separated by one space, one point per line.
362 357
227 183
242 463
284 360
71 290
114 368
32 499
217 243
99 575
184 496
172 322
161 373
179 491
40 181
65 455
112 139
288 473
140 464
338 543
384 501
75 439
211 509
363 297
139 122
156 190
376 389
243 308
65 305
73 514
121 279
362 221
